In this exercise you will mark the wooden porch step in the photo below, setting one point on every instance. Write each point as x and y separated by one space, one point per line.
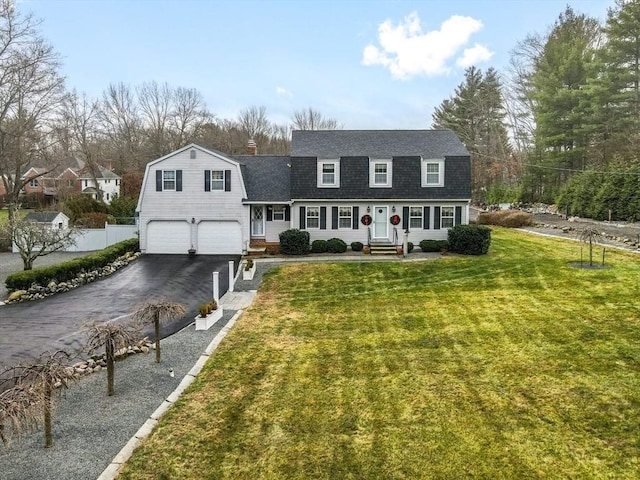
383 249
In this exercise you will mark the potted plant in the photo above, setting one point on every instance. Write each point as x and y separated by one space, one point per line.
209 313
249 270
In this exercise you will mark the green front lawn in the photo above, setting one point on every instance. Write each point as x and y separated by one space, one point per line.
510 365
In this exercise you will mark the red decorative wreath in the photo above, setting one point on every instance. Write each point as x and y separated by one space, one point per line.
395 219
366 219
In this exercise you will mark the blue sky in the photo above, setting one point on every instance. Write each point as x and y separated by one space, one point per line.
368 64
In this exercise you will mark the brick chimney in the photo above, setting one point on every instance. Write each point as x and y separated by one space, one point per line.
252 148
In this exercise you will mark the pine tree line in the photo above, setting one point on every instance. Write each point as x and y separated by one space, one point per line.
567 108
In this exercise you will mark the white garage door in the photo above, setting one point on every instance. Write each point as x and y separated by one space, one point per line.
165 236
215 237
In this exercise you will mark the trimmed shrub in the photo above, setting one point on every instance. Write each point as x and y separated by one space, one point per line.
506 218
356 246
294 242
319 246
336 245
434 245
469 239
409 247
69 270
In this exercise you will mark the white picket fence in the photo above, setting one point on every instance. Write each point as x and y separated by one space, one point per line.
90 239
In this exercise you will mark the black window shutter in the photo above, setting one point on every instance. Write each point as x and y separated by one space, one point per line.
436 218
158 180
287 213
207 180
323 218
405 218
178 180
227 180
303 218
356 218
426 218
334 218
458 218
269 213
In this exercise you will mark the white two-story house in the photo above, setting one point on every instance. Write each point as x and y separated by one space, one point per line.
370 186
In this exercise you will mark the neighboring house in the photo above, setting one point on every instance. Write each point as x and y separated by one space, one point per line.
35 184
358 185
56 220
108 183
74 177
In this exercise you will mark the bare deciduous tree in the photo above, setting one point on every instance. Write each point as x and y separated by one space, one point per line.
80 114
33 386
122 125
30 89
35 240
154 313
310 119
111 336
592 236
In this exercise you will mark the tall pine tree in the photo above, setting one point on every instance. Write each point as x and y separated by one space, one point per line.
558 79
476 114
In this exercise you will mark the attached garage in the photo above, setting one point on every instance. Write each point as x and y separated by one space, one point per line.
219 237
168 236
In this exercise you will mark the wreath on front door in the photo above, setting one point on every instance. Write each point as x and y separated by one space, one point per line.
395 219
366 219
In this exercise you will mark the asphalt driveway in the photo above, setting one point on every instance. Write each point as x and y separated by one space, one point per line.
31 328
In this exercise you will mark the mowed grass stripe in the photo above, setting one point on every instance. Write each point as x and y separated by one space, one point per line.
511 365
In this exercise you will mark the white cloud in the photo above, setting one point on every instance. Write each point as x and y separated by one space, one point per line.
406 50
476 54
283 92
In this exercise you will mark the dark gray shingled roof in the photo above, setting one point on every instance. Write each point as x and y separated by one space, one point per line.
266 178
376 143
41 217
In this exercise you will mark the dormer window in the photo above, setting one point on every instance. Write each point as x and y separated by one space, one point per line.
380 173
328 173
433 172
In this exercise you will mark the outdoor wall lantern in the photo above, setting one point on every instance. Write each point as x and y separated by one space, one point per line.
193 220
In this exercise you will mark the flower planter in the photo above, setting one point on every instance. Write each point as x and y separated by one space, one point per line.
207 322
248 274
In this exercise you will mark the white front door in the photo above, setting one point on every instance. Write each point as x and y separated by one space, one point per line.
381 222
257 220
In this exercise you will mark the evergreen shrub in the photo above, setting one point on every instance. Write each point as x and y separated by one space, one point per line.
469 239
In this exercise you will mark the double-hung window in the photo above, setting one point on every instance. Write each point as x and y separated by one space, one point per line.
313 217
344 217
415 217
217 180
432 173
33 182
446 217
328 173
278 212
168 180
380 173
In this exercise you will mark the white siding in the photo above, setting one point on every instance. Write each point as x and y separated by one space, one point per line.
109 189
192 202
360 234
275 228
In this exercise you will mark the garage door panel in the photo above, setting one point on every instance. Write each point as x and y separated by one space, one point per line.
165 236
217 237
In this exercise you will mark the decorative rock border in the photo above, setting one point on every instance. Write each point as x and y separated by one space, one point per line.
37 292
97 363
607 236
